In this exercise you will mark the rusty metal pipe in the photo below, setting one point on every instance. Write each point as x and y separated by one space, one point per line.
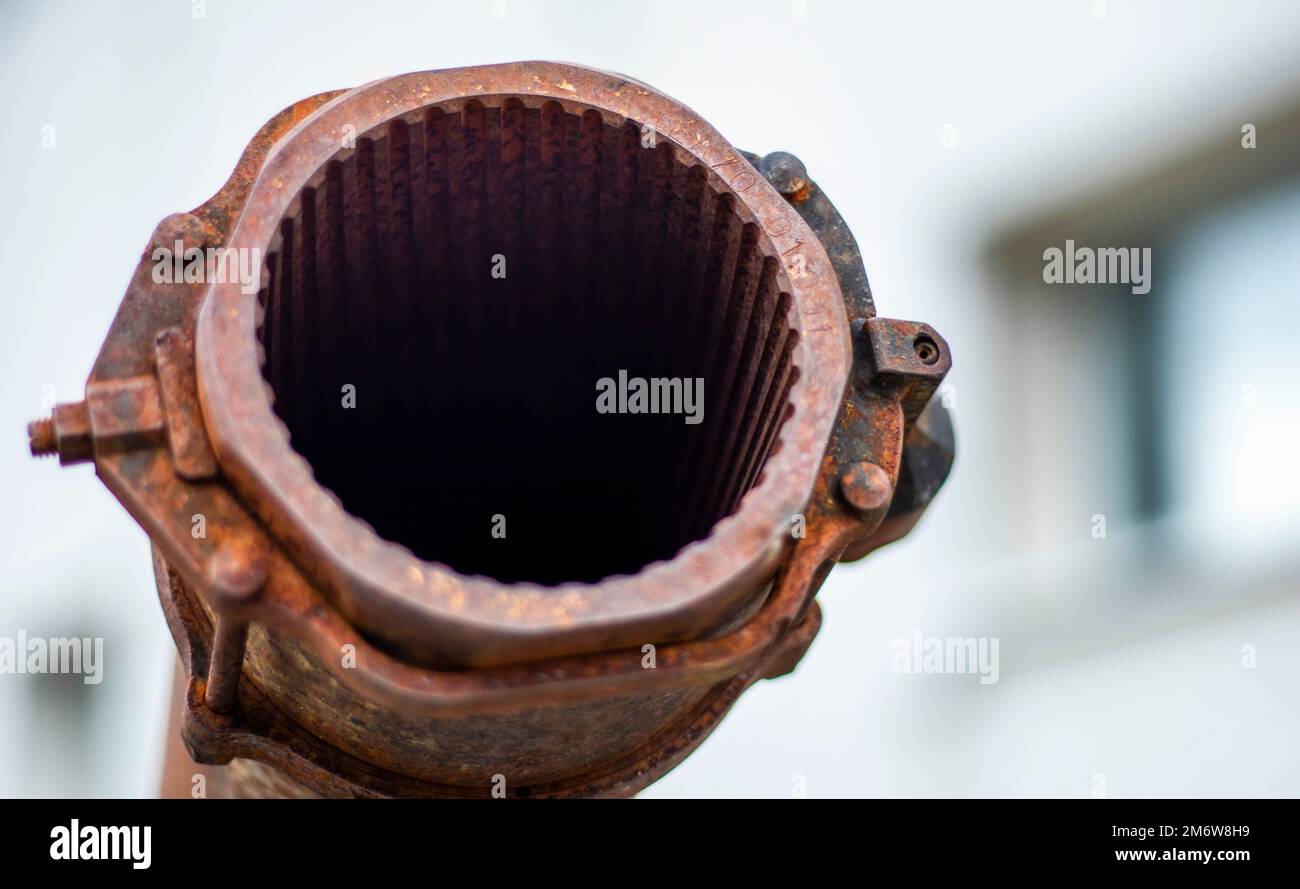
429 566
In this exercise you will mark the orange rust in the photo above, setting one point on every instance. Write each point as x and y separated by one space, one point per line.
453 678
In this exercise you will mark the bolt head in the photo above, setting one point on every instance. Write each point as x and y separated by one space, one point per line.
184 227
786 172
236 573
867 488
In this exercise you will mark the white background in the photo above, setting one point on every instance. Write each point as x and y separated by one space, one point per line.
1119 671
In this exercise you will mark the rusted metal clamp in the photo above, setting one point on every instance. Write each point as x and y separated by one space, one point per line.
354 667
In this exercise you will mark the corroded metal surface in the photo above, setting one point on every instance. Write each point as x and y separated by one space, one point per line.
357 668
430 613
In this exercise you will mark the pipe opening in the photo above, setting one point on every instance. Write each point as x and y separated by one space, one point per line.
445 301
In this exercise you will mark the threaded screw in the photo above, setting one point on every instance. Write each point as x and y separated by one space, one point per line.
43 439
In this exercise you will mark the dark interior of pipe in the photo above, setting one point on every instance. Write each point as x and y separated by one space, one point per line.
440 308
